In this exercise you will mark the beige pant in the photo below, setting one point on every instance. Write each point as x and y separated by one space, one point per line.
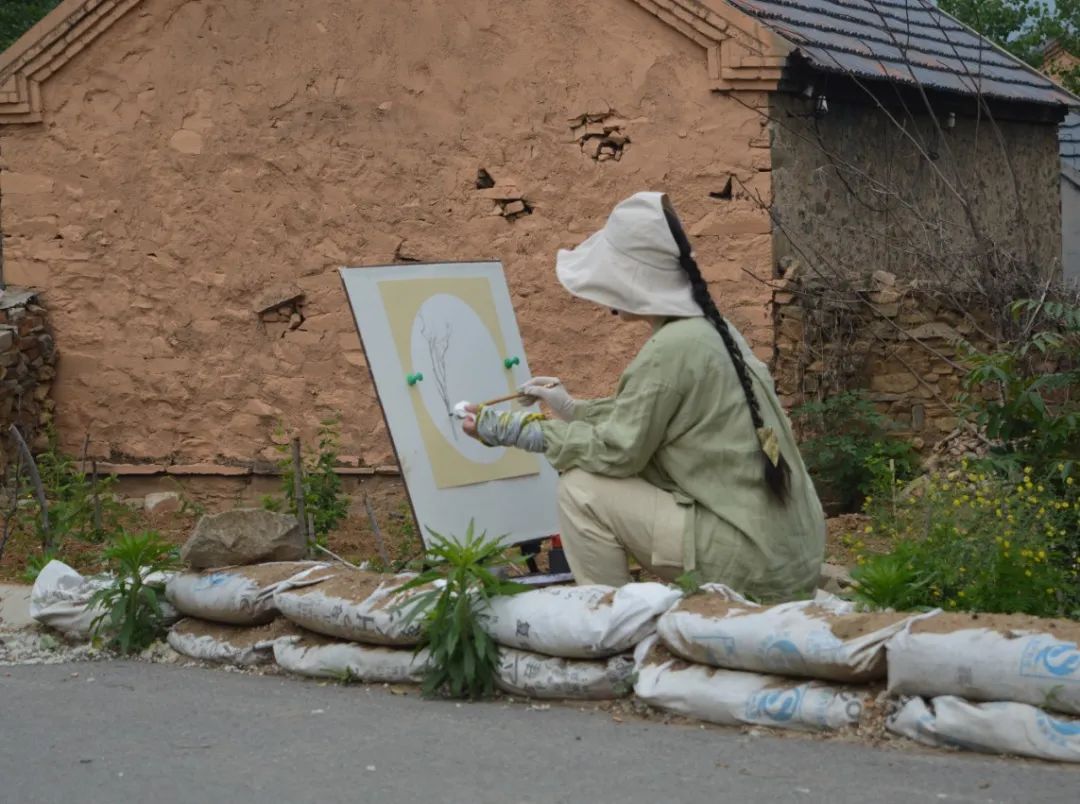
605 519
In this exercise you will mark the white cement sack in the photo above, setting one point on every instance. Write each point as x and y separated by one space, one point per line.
534 675
354 605
999 727
60 599
233 595
320 657
578 622
988 657
734 697
824 638
245 646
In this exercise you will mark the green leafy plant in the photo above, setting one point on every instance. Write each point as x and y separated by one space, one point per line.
847 444
689 583
891 581
37 562
463 656
1025 396
324 502
131 618
971 540
80 507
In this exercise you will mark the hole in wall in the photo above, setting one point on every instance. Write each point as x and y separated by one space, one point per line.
600 132
484 180
724 194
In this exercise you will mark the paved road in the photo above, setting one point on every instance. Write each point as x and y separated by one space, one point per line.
132 732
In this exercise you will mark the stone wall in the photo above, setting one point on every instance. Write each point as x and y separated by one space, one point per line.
27 358
199 155
861 189
899 344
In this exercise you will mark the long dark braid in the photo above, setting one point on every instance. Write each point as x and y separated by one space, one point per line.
778 476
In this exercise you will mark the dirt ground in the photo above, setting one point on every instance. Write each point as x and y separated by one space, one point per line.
847 537
354 540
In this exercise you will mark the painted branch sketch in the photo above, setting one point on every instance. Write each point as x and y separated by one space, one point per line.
449 332
438 346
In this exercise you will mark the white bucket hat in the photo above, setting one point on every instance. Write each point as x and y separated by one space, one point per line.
632 264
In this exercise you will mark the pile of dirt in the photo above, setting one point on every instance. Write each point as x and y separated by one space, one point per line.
269 574
850 626
1010 625
708 605
238 636
348 584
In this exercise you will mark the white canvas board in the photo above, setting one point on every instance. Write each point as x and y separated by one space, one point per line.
454 324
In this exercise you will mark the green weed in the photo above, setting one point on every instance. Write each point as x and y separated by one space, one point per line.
463 657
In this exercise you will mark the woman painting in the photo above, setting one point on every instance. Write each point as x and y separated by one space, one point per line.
692 466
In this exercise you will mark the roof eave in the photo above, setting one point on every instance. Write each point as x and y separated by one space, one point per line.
44 49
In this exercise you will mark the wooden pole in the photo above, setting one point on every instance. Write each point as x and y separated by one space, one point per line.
97 497
298 487
380 545
35 478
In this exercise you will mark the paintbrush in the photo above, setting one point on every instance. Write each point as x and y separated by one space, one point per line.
459 408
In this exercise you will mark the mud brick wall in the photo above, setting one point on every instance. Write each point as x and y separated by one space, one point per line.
899 344
205 168
27 360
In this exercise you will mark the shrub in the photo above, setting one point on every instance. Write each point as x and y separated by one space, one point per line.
324 502
968 540
1025 396
463 656
132 619
80 507
847 445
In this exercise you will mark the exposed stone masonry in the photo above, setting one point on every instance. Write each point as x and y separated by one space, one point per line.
27 369
902 345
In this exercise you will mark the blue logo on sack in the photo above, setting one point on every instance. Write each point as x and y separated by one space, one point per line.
1060 732
210 581
779 706
1049 658
784 653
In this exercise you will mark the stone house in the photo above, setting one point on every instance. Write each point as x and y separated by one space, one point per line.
1059 62
182 178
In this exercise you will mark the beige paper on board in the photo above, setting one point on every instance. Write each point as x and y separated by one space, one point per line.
402 299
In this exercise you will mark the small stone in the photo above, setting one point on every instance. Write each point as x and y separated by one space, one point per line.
884 279
162 502
295 320
514 208
7 338
834 578
893 383
887 296
386 106
933 330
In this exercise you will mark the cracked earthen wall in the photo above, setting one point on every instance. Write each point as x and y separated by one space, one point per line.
201 153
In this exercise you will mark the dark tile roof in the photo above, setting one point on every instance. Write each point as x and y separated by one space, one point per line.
909 41
1069 134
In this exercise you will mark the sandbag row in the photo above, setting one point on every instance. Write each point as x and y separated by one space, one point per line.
803 665
973 681
984 682
61 599
573 642
325 621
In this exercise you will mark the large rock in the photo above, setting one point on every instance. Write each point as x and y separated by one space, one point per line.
244 536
